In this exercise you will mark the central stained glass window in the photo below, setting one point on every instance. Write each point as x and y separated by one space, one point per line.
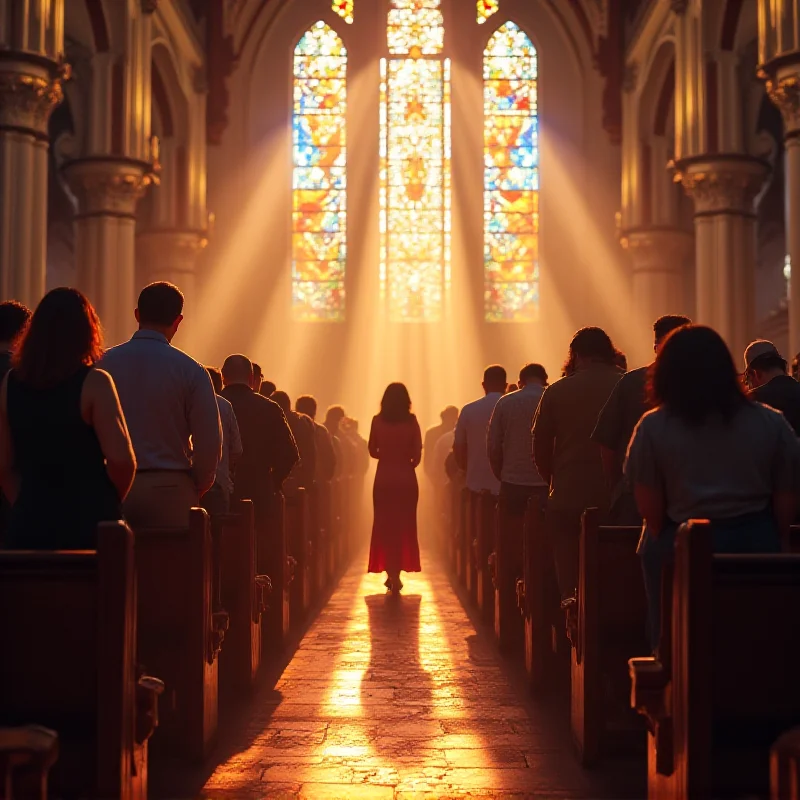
415 224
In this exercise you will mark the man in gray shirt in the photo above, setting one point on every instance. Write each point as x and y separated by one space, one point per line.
171 410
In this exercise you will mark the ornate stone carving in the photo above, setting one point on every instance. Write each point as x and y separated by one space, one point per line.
167 254
722 183
27 99
657 249
108 185
785 94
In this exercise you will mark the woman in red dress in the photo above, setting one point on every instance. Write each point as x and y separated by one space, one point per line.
396 441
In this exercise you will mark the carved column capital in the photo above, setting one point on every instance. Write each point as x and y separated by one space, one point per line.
722 183
108 185
28 95
169 254
657 249
784 92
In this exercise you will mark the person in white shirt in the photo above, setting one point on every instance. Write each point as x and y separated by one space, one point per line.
469 447
218 498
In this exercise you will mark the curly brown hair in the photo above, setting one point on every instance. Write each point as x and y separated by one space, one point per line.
63 335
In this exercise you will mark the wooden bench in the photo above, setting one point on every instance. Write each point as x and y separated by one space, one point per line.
784 767
507 560
608 624
179 634
462 535
485 513
724 687
322 534
298 532
69 662
545 656
273 560
243 595
26 755
470 565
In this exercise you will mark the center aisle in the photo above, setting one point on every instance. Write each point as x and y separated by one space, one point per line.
398 697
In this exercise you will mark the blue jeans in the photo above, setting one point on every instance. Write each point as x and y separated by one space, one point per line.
750 533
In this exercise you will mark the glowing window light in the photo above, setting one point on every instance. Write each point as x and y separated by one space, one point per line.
511 177
486 8
319 244
415 180
344 8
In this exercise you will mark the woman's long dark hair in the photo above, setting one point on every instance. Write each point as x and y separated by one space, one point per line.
62 336
694 376
396 403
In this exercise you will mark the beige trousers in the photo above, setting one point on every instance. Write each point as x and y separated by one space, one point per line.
160 500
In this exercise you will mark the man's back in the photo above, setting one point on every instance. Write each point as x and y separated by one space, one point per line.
269 449
302 428
510 435
783 394
562 432
620 415
471 431
168 400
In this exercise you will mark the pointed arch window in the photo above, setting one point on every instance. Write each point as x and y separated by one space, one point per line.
511 177
319 208
415 222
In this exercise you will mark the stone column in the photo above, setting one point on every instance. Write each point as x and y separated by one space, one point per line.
779 57
119 163
107 190
171 255
724 189
31 71
658 257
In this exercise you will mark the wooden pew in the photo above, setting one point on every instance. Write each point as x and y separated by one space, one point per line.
609 628
545 657
322 533
509 628
69 661
298 531
179 634
273 560
470 565
784 767
26 755
725 684
482 547
462 535
244 595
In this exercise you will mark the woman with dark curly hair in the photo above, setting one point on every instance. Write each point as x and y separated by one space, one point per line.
66 460
396 441
706 451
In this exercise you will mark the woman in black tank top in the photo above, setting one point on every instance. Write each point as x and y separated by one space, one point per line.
66 469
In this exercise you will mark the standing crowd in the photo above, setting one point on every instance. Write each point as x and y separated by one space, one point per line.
142 431
687 437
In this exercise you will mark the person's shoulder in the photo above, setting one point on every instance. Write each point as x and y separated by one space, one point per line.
224 403
99 380
771 416
654 420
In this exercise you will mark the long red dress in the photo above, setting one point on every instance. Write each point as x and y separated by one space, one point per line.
398 448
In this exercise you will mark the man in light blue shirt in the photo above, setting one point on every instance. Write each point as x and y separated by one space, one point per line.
172 415
469 447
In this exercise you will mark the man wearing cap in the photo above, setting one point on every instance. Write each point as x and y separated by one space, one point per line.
765 373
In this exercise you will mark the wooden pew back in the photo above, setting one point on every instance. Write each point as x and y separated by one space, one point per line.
298 534
178 636
482 546
69 650
611 627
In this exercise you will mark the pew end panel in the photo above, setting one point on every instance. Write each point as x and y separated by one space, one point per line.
179 637
27 754
509 626
784 767
607 624
70 661
483 546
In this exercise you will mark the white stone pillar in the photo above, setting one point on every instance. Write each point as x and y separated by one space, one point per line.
658 258
724 188
779 57
114 172
31 71
107 190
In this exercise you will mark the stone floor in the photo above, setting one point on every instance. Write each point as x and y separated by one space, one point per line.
401 697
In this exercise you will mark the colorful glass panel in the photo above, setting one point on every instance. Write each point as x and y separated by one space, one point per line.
344 8
415 187
511 177
416 28
319 238
486 8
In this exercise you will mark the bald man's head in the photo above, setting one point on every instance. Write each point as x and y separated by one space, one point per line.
237 369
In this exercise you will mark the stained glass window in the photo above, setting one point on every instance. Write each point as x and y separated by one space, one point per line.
415 164
486 8
319 246
344 8
511 177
